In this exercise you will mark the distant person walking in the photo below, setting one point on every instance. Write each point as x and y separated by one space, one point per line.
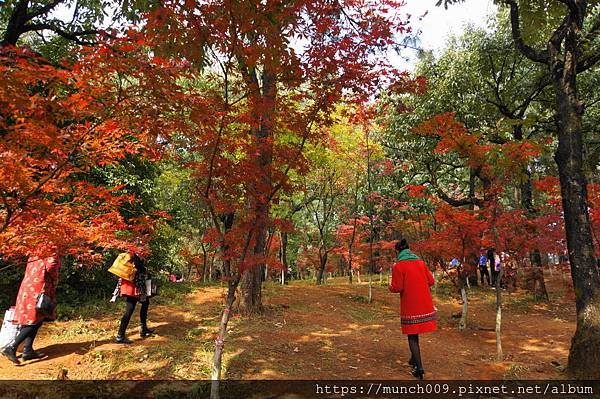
496 263
32 309
134 292
411 279
454 263
483 269
491 262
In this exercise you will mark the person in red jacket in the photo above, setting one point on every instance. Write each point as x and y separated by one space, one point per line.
134 292
411 279
41 276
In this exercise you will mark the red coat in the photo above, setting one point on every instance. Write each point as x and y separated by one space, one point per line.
412 279
40 275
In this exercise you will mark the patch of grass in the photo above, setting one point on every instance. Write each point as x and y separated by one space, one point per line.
77 329
170 294
302 283
359 298
174 293
445 290
205 345
361 314
272 287
194 333
515 372
520 303
91 309
302 307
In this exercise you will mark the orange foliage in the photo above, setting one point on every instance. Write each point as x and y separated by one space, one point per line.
57 124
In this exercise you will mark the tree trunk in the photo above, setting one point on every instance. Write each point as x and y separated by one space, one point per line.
350 272
584 355
499 353
263 103
465 307
284 261
251 291
370 297
220 341
321 272
16 24
204 263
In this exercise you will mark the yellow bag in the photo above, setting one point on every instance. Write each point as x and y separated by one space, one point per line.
123 267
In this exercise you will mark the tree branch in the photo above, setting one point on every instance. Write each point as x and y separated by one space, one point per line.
527 51
589 60
72 36
43 10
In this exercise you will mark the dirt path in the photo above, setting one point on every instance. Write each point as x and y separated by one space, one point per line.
311 332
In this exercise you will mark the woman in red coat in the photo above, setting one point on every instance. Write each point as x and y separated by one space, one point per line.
41 276
412 279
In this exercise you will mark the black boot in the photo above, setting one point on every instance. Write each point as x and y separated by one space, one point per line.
418 373
32 355
146 332
10 352
121 339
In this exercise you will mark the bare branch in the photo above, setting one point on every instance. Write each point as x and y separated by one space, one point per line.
72 36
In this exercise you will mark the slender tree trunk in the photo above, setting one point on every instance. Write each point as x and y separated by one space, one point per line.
204 263
499 353
350 271
284 259
211 268
465 307
232 281
220 341
370 297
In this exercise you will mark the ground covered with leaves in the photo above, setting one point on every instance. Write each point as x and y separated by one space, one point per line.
311 332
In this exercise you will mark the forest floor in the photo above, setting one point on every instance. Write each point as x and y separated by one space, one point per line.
313 332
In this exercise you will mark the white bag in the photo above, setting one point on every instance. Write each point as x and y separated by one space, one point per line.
151 288
9 330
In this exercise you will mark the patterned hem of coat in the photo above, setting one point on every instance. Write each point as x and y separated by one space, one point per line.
418 319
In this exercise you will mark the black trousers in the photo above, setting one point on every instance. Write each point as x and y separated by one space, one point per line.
26 336
483 272
415 351
130 303
494 276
